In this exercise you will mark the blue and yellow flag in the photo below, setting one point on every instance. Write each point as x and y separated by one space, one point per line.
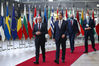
14 25
45 15
7 27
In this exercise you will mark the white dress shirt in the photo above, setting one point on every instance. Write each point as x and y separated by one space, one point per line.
60 23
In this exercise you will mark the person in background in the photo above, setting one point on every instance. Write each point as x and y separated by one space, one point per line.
72 31
88 26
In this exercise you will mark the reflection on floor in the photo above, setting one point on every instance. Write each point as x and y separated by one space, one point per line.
90 59
15 56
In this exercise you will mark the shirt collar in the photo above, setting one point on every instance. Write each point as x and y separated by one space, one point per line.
61 20
39 23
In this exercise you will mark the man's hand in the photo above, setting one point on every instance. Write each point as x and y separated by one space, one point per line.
63 36
53 39
88 28
38 33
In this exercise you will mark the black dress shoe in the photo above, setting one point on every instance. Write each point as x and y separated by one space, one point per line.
85 52
94 49
63 61
43 60
36 62
56 61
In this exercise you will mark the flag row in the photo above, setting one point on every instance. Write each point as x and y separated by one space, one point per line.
18 28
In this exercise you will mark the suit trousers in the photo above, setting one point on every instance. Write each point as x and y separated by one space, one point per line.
71 39
63 45
89 34
39 43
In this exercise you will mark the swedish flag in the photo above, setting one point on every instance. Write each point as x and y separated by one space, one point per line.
7 27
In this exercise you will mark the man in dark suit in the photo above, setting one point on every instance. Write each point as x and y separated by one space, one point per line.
72 31
39 31
59 36
88 26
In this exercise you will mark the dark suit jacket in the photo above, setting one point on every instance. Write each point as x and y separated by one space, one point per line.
74 28
58 32
43 31
91 24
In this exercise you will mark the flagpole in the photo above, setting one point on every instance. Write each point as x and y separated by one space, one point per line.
13 44
9 42
12 38
30 23
1 47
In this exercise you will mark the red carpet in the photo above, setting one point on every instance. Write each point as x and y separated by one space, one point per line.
50 56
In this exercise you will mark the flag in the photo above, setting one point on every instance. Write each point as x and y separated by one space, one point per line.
93 15
93 20
39 11
2 23
19 25
66 14
52 21
14 25
57 14
2 16
73 12
97 29
62 12
35 18
49 20
29 26
7 27
45 16
25 29
77 16
82 19
30 18
70 12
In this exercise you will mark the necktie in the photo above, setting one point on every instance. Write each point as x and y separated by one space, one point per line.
71 22
39 26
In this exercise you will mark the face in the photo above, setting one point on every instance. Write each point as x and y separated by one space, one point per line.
72 16
87 16
40 20
60 16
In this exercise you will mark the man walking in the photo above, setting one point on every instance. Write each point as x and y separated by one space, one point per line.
59 36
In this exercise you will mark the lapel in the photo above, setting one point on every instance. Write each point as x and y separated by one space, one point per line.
70 23
89 21
62 24
57 24
73 22
37 27
41 26
86 21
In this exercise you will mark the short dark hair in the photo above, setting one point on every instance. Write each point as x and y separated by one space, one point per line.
60 13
